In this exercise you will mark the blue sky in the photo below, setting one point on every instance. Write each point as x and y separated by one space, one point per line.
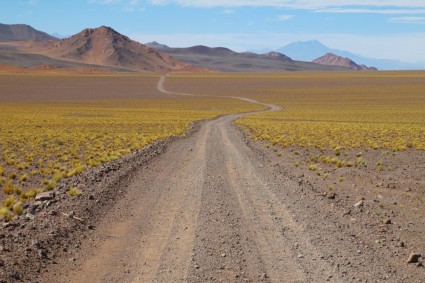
393 29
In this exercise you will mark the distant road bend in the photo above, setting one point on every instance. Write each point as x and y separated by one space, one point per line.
203 211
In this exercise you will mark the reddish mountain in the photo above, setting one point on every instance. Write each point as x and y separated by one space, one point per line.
22 33
331 59
104 46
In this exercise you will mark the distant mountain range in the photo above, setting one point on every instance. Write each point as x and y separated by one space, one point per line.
24 46
226 60
310 50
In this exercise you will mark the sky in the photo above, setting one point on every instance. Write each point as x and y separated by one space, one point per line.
392 29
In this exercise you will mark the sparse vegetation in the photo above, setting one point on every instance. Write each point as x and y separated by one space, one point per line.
73 192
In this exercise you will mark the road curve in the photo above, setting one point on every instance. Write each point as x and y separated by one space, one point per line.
203 211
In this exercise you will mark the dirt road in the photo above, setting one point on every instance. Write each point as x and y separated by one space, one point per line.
201 212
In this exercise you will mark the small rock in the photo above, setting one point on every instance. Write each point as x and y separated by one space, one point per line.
7 224
53 213
223 255
30 216
414 258
360 204
419 264
388 221
15 275
42 253
402 244
91 227
72 259
45 196
331 195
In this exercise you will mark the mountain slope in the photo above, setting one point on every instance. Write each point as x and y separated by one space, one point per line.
331 59
105 46
22 33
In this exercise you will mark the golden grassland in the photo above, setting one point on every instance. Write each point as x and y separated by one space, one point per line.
367 110
43 142
365 116
56 126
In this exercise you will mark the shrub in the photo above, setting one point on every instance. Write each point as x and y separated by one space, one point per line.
73 192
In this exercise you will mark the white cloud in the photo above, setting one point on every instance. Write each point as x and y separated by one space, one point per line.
372 11
283 18
408 20
298 4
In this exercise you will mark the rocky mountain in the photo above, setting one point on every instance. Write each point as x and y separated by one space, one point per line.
105 46
22 33
331 59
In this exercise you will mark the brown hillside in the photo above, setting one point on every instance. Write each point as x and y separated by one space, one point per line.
331 59
104 46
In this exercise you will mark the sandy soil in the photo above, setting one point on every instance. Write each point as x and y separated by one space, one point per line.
214 207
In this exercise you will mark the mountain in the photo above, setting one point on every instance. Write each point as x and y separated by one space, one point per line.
22 33
227 60
105 46
331 59
305 50
310 50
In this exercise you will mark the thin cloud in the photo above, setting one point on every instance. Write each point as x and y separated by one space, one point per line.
408 20
372 11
